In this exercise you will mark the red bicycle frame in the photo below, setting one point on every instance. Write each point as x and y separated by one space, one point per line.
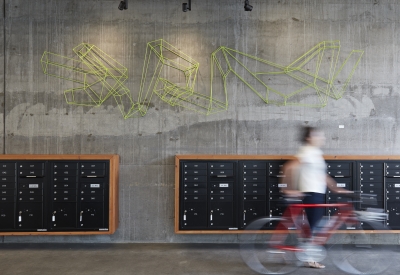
294 215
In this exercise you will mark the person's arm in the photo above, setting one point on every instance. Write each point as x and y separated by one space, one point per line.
289 172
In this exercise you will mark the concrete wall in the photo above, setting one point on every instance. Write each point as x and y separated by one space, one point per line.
38 121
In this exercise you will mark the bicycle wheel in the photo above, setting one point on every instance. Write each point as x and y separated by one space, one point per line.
358 254
259 251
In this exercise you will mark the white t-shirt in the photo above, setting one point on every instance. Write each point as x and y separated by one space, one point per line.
312 170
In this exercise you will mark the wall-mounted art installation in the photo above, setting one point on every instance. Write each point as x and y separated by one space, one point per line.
171 75
308 81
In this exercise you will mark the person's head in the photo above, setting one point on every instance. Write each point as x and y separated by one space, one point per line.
312 136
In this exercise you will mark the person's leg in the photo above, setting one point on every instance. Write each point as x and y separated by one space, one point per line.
314 214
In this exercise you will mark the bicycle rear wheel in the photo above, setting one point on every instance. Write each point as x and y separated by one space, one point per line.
358 254
261 253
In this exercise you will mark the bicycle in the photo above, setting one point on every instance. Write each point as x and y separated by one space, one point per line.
292 244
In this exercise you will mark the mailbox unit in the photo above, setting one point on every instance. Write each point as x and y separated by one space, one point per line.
224 193
58 194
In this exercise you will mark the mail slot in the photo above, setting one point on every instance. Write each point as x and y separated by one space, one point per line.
7 185
371 191
30 198
254 184
339 173
7 192
255 179
7 179
393 198
254 191
254 172
191 191
393 173
195 185
338 166
195 172
30 192
7 198
390 185
92 191
194 198
276 165
275 173
195 179
221 173
69 179
224 191
31 173
64 172
65 165
223 185
371 172
368 178
7 165
93 165
4 173
92 173
64 185
31 165
221 198
65 192
372 185
394 191
393 165
195 166
222 166
37 185
276 197
98 185
92 198
254 198
64 197
254 165
371 165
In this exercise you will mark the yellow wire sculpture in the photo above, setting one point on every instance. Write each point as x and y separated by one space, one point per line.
171 75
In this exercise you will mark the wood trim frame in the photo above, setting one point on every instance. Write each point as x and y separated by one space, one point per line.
113 191
178 158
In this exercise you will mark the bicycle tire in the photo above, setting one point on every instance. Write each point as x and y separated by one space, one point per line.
357 254
260 255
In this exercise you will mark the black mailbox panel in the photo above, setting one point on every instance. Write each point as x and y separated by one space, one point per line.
63 215
54 195
30 215
227 194
91 215
194 215
7 215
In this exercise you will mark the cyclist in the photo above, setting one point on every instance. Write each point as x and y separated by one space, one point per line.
308 179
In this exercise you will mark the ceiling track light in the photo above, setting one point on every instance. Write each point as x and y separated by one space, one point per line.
123 5
247 6
187 6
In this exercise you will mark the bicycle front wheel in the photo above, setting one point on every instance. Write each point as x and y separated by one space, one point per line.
265 253
360 253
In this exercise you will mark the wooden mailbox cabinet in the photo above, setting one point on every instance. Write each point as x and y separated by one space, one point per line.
58 194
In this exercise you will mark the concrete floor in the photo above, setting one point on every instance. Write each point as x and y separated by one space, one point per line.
137 259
